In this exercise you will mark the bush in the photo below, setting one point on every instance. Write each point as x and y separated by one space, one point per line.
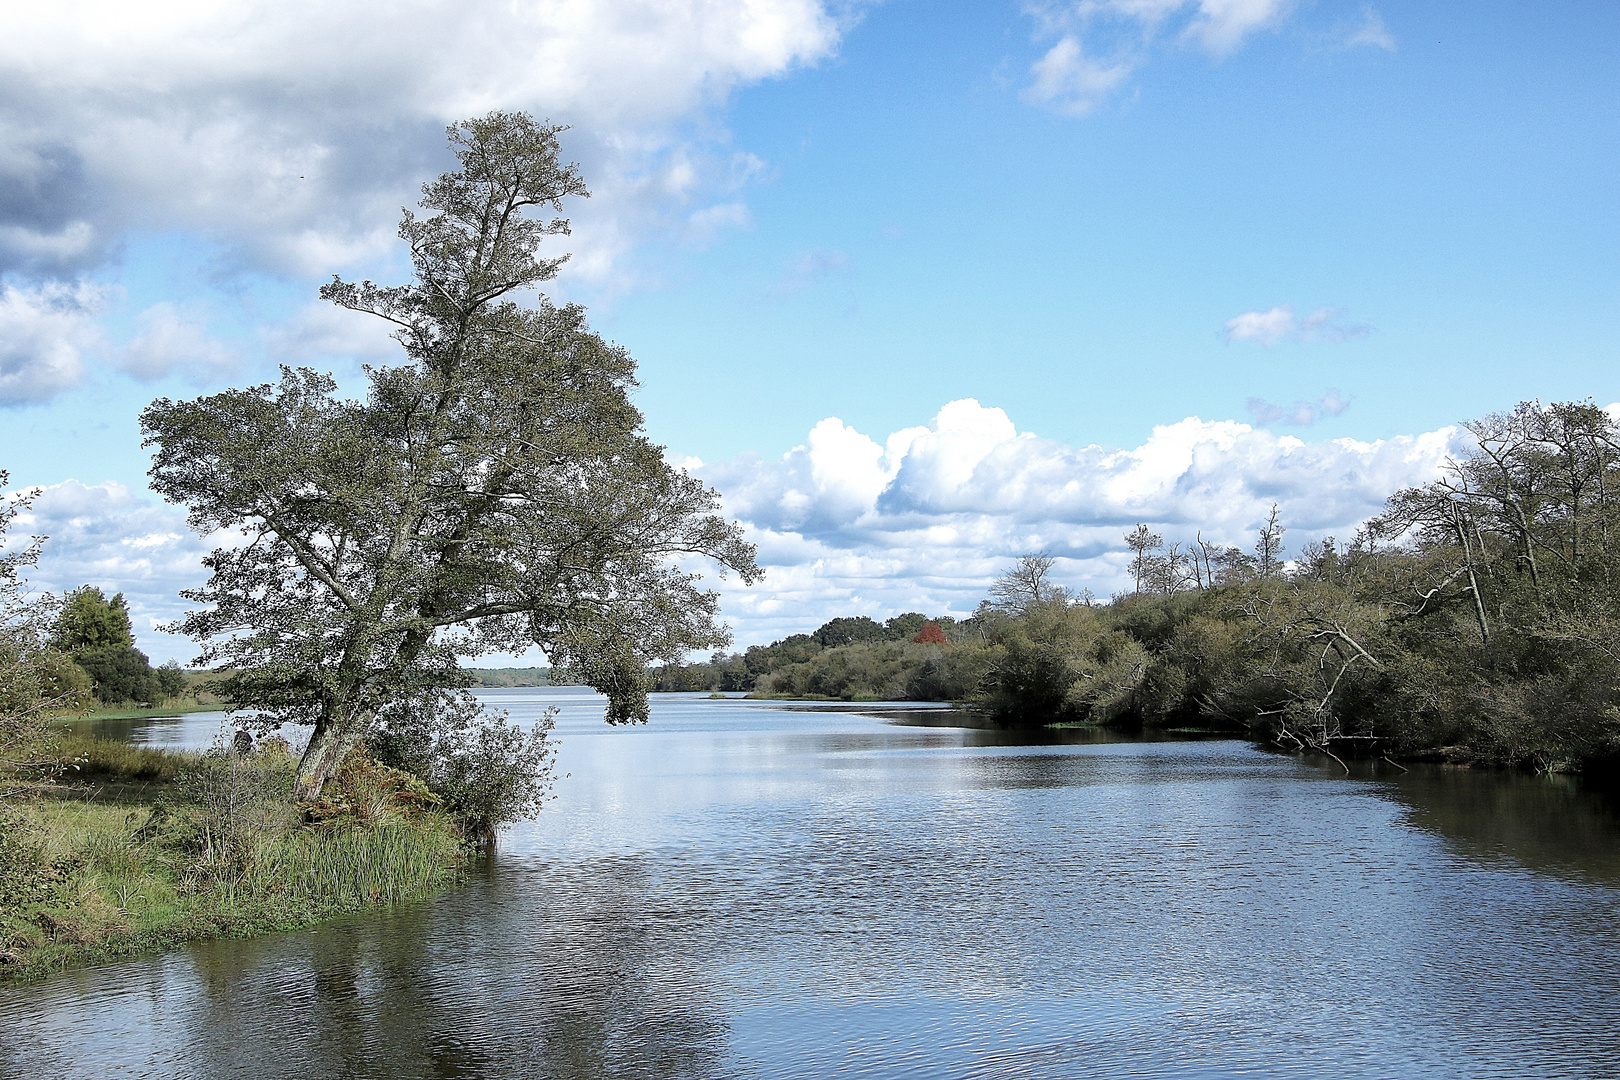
493 773
26 874
366 792
486 770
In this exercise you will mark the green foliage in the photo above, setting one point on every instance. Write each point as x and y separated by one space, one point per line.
95 631
524 676
492 773
494 491
928 678
882 671
171 679
1477 619
89 620
847 631
483 769
120 673
37 682
907 626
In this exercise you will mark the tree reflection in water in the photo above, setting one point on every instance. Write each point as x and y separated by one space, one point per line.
497 979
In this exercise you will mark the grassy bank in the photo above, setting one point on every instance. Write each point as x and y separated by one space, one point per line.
139 850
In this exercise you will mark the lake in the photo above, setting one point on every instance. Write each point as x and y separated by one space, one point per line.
749 889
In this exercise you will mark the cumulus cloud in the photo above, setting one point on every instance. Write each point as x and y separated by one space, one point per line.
44 332
926 518
1281 324
921 520
319 332
1101 43
169 340
292 132
122 541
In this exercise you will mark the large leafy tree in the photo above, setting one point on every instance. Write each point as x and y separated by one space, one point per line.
494 490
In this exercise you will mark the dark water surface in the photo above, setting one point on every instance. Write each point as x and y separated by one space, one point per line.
741 890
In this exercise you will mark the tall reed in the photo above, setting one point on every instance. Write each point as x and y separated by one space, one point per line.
350 865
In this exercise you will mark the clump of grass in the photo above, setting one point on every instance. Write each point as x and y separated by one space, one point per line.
352 866
88 757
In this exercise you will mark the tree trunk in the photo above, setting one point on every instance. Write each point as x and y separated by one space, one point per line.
327 748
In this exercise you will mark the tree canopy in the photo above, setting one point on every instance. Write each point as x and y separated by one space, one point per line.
88 619
493 491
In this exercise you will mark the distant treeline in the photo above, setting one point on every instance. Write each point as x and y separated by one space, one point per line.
510 676
1477 619
850 657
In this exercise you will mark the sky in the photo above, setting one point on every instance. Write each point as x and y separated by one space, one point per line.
917 287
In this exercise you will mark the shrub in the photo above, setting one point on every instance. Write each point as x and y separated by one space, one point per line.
492 773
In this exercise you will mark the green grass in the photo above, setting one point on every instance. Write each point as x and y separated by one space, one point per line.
119 844
348 867
87 757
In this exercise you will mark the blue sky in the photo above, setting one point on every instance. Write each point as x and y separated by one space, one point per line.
1325 230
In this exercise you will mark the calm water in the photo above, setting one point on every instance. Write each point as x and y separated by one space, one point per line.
739 890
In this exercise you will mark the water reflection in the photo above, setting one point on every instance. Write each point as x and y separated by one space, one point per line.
738 890
499 979
1558 824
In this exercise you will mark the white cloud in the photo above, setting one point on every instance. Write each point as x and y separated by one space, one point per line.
1280 324
44 332
1070 82
926 518
291 132
1370 31
1101 43
846 524
169 340
711 222
1221 26
1300 413
321 332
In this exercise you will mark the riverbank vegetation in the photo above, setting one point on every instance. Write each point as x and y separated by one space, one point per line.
135 849
1477 620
